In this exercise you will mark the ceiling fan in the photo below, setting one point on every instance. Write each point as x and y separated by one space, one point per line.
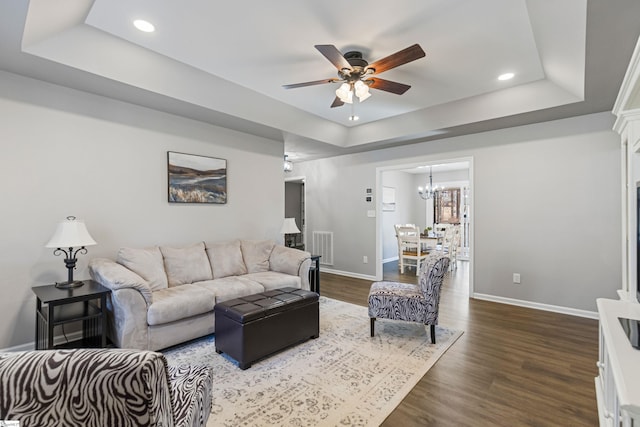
358 75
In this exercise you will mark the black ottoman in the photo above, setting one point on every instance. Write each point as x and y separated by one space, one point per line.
252 327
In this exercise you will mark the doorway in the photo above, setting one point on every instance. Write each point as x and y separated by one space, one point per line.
294 207
453 178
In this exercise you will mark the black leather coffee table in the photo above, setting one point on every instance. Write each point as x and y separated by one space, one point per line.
253 327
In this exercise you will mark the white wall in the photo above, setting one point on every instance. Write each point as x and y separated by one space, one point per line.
402 182
547 206
66 152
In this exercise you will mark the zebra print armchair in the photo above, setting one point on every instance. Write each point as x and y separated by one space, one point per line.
404 301
92 387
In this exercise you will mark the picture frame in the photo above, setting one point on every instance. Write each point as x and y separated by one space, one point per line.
196 179
388 199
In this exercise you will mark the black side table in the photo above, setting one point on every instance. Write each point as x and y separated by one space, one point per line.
314 273
86 304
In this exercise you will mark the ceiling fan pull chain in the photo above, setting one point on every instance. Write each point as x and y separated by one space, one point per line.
353 116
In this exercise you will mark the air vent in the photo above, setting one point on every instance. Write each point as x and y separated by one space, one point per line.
323 246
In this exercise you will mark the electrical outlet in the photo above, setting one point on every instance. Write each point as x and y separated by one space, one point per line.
516 278
365 259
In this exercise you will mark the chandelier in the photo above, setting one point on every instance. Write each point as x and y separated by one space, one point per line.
429 192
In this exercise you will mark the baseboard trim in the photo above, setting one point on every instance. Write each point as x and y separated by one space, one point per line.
346 274
386 260
22 347
503 300
538 306
57 340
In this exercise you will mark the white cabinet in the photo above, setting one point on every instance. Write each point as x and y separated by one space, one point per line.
627 112
618 380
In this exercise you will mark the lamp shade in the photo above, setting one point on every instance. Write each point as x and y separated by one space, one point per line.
70 233
289 226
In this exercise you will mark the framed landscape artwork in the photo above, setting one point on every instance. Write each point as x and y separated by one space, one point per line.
196 179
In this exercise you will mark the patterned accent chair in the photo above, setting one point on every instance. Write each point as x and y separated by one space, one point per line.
404 301
93 387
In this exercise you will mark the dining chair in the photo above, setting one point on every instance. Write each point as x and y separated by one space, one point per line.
450 244
396 226
410 250
441 228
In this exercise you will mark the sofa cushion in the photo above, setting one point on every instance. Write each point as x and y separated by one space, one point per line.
147 263
186 265
226 259
274 280
256 254
179 302
231 287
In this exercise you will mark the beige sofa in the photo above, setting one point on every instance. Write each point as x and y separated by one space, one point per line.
162 296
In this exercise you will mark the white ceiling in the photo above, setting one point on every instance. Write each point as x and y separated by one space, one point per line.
225 62
263 54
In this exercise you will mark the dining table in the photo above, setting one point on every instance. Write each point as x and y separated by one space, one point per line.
430 241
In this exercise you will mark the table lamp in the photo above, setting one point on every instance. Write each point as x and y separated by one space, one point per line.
70 234
289 227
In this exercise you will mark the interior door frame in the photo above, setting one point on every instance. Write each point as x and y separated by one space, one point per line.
303 226
425 162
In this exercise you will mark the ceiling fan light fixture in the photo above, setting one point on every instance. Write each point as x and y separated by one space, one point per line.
355 72
364 96
362 90
344 93
349 99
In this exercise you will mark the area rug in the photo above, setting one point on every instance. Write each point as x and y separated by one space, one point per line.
343 378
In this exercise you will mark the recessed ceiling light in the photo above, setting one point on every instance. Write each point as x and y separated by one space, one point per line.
354 118
506 76
143 25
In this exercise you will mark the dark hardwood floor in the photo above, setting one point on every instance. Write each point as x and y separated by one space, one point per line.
513 366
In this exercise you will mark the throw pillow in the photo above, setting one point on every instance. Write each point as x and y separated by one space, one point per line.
146 263
256 254
226 259
186 265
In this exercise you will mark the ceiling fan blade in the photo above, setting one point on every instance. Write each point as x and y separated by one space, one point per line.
334 56
337 103
315 82
399 58
388 86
